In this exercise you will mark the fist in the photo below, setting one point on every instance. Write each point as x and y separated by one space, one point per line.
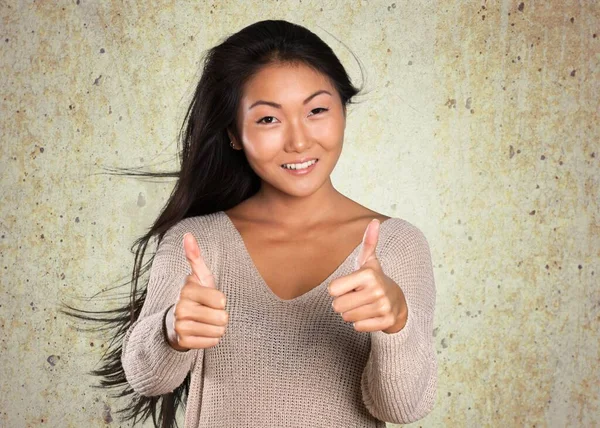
198 319
367 297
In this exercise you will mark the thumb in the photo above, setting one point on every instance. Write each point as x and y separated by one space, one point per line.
369 243
196 261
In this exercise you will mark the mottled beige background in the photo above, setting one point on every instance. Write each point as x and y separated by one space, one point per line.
479 124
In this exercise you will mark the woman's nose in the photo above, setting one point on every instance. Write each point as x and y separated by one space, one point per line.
298 137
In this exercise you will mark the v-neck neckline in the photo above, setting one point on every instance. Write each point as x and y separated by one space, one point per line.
268 291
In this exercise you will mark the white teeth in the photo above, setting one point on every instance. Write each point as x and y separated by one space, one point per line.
299 165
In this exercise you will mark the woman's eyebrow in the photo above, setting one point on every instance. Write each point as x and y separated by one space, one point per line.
273 104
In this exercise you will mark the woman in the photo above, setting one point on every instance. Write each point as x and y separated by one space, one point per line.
273 299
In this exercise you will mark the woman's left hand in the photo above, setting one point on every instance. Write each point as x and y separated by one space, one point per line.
367 297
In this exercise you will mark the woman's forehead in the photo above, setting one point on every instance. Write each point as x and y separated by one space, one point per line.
281 83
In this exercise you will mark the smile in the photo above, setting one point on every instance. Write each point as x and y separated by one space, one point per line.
302 169
300 166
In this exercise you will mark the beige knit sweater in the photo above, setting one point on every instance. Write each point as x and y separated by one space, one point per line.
288 363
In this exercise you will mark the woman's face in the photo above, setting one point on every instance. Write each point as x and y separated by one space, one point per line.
289 113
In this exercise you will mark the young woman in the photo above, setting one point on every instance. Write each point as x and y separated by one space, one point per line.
274 300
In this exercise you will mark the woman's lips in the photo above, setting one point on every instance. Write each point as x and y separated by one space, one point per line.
301 171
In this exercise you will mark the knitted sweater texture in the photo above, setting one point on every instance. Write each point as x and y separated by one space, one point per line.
288 363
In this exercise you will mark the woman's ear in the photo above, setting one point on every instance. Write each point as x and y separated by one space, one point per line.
234 140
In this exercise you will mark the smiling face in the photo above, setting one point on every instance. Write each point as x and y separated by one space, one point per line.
289 113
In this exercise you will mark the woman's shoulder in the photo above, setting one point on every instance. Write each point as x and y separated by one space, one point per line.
196 223
402 237
396 235
206 228
401 226
207 231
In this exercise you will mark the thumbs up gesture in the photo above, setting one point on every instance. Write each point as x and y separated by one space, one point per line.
198 318
367 297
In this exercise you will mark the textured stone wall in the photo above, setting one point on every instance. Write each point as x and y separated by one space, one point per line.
478 123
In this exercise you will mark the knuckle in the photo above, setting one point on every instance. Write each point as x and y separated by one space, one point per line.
378 293
182 311
179 327
389 320
178 312
370 273
384 307
191 280
185 291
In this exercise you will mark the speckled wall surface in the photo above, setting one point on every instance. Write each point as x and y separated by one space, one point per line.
479 124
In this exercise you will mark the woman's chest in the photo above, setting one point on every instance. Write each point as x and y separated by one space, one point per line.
293 269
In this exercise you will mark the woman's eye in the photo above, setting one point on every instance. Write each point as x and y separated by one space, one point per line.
266 117
320 108
267 120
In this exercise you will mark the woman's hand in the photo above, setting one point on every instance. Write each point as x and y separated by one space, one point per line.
367 297
198 319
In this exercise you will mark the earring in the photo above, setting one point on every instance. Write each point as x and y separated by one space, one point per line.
232 145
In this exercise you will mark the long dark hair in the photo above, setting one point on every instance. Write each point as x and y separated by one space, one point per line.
212 177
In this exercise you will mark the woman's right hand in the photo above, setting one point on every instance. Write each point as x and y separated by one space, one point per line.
198 319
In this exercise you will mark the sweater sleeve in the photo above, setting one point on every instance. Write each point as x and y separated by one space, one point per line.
152 367
399 381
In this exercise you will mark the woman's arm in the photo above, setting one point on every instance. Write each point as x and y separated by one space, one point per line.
399 381
152 367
